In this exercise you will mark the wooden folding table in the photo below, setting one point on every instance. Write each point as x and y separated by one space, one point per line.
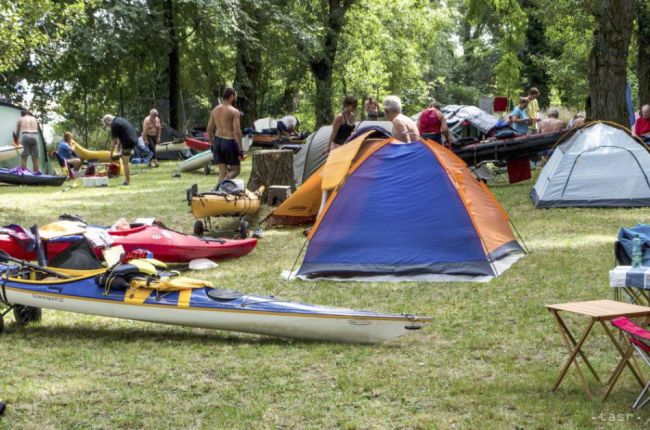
600 311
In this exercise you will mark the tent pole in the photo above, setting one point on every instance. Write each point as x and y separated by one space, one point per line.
526 249
297 258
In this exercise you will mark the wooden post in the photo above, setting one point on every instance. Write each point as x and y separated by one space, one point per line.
271 167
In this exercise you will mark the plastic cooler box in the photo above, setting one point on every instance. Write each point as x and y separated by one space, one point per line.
95 181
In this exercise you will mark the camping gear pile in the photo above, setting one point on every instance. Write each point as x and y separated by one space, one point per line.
230 198
165 244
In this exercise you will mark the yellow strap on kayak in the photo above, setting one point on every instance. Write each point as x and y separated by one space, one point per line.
136 296
184 298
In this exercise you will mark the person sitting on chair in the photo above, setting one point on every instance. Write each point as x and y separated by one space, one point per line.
65 152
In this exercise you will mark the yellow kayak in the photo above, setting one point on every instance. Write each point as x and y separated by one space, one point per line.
89 154
210 204
101 156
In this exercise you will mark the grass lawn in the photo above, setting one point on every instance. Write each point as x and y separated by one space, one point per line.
488 360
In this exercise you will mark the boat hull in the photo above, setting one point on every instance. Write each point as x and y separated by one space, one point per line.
166 245
197 144
195 162
7 177
9 152
172 247
208 205
506 149
247 314
171 147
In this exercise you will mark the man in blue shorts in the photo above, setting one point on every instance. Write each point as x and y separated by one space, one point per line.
225 134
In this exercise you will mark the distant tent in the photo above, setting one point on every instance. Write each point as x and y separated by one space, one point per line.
600 165
471 122
265 124
313 155
9 116
303 205
407 212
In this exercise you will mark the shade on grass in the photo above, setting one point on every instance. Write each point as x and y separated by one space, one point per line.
488 361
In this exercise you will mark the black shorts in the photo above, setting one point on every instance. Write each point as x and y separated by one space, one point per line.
151 144
436 137
281 127
127 147
225 151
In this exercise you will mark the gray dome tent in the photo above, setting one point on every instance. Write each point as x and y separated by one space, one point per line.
9 116
313 155
600 165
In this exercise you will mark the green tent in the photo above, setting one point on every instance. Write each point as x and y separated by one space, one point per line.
9 116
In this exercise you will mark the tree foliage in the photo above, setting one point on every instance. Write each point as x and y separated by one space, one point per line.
86 58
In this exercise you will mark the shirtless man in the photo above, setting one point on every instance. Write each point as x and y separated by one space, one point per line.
151 131
578 120
226 147
404 128
28 126
552 123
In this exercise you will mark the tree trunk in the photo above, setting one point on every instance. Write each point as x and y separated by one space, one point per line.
322 65
248 65
322 72
292 87
643 41
536 45
246 77
608 61
271 167
174 68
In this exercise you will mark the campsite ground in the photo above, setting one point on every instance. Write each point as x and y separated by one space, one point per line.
487 361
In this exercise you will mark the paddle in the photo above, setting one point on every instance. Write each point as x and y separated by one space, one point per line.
4 257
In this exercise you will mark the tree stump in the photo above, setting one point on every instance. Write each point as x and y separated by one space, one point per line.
271 167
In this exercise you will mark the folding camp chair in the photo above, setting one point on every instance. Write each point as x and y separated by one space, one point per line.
639 339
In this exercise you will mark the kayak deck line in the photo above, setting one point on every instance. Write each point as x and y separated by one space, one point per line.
241 309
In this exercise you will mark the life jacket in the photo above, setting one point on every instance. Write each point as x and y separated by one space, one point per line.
429 121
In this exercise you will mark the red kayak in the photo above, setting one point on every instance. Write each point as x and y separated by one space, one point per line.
13 247
170 246
166 245
198 144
